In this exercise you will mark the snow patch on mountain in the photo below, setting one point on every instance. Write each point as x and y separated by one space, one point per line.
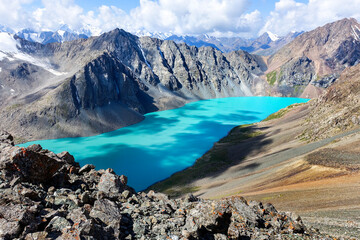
143 54
354 33
158 35
2 56
7 43
61 33
9 49
273 36
45 64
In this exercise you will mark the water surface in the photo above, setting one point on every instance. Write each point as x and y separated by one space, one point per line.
167 141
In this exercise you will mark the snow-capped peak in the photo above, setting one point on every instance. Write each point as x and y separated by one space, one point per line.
272 36
61 33
145 33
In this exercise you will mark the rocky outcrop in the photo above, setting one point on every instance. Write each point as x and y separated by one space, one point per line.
47 196
337 110
292 77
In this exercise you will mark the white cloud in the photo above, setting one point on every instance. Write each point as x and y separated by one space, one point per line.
12 14
56 13
107 18
217 17
176 16
201 16
290 15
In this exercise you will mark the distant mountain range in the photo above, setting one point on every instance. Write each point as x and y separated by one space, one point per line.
88 86
64 34
267 44
46 37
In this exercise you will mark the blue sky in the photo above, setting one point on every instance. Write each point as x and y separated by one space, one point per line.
125 5
246 18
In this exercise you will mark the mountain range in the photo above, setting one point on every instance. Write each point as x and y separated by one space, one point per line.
79 87
266 44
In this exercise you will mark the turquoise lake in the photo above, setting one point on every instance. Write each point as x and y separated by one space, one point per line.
167 141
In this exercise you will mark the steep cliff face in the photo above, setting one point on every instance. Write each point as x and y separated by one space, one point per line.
198 73
316 57
103 96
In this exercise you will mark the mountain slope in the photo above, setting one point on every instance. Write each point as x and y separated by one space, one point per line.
315 59
338 109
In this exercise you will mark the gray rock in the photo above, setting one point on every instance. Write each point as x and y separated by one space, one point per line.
126 194
9 230
67 157
6 138
86 168
37 236
111 184
107 212
57 224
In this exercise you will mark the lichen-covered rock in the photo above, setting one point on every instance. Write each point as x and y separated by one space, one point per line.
92 204
30 164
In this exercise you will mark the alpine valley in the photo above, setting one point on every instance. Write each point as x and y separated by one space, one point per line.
304 158
89 86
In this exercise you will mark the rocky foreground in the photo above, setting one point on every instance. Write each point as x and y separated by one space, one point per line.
48 196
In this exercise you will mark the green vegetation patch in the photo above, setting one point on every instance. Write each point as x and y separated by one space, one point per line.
215 160
14 106
240 133
18 140
281 112
297 89
271 78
